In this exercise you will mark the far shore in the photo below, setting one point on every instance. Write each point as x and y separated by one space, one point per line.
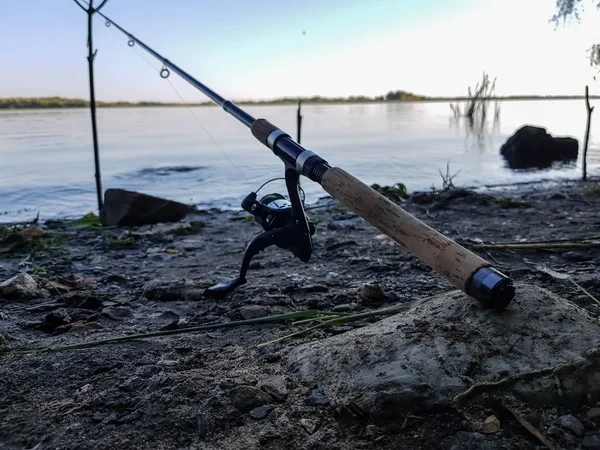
64 103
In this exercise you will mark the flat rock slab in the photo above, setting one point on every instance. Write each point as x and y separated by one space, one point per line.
442 345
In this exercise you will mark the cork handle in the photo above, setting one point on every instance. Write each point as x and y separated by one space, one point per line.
443 255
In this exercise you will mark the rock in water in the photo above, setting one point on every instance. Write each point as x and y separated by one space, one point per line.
19 287
534 147
395 366
128 208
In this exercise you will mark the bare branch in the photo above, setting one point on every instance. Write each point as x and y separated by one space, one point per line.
80 5
101 6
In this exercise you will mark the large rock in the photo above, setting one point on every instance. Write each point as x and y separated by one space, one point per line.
437 348
128 208
533 147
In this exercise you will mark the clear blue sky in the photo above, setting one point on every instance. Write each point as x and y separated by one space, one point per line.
257 49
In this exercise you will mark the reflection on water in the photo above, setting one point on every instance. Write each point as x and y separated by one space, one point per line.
46 158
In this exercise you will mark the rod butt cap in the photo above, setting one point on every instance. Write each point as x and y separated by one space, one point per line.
492 288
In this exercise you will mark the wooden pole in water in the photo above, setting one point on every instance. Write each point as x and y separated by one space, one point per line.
90 11
299 122
589 109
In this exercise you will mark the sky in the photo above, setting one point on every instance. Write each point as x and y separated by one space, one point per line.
267 49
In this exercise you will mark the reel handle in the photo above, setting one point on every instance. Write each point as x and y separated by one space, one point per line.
464 269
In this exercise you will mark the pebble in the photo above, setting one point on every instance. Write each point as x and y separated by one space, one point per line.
491 425
593 414
98 417
245 398
55 319
254 311
571 423
591 442
371 294
261 412
317 398
310 425
276 388
113 418
348 307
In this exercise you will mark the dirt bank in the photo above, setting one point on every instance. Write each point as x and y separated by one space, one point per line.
217 388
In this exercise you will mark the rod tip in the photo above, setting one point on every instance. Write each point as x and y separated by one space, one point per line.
492 288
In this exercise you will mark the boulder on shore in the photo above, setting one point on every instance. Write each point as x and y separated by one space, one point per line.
129 208
544 347
533 147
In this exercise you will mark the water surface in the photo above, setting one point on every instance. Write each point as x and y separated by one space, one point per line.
204 156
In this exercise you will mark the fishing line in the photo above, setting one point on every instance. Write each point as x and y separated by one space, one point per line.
193 114
207 133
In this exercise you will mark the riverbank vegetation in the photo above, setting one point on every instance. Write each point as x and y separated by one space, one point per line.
392 96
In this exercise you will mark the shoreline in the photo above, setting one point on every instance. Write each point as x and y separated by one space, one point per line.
97 283
294 102
502 187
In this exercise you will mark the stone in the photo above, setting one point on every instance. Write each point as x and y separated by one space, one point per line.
533 147
591 442
245 398
310 425
254 311
553 431
98 417
571 423
127 208
261 412
491 425
21 286
371 294
593 414
276 388
316 398
55 319
391 367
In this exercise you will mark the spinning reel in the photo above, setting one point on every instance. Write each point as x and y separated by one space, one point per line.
285 225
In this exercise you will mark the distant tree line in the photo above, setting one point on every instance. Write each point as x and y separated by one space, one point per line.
392 96
61 102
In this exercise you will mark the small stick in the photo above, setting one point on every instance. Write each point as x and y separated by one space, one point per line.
535 245
589 109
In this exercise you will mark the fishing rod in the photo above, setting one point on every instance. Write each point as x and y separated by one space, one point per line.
286 225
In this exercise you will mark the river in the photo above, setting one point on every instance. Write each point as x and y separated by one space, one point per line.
203 156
